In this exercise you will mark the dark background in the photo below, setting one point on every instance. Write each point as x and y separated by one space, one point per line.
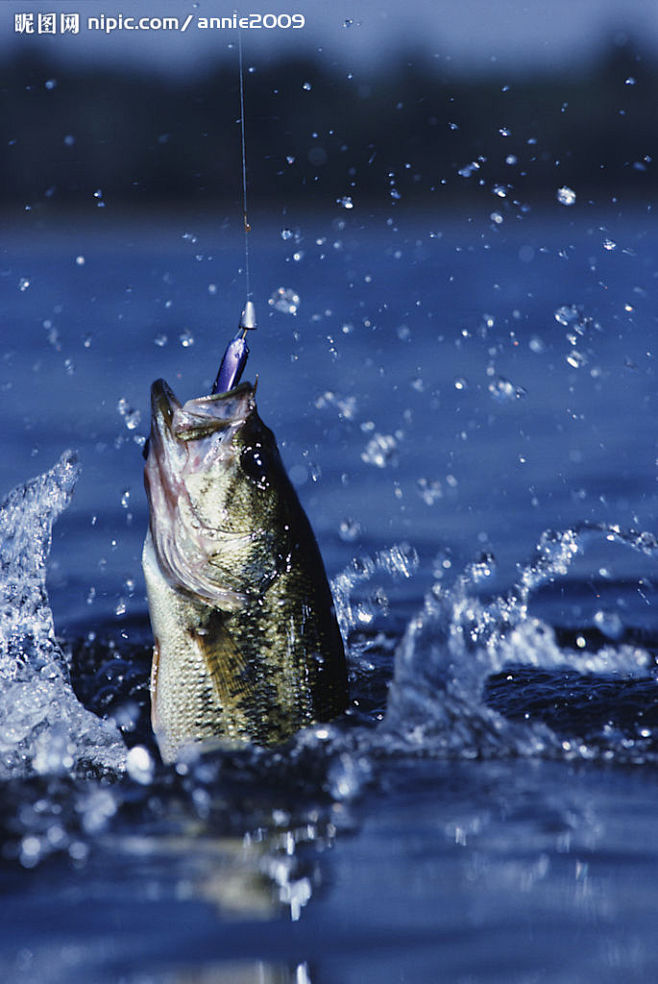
393 132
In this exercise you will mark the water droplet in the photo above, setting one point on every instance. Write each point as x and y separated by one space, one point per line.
125 498
69 140
609 244
380 451
95 809
610 624
51 84
131 417
345 201
511 159
629 81
348 22
576 359
307 86
496 217
160 340
290 159
461 383
349 530
287 234
23 284
481 569
429 490
285 299
567 314
536 345
31 851
469 169
186 338
140 765
566 196
503 390
504 131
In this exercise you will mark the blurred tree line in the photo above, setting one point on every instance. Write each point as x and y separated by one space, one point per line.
405 133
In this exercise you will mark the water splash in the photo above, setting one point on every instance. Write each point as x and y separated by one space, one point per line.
437 702
43 727
398 561
458 642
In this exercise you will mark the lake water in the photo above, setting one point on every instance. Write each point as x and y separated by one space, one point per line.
467 407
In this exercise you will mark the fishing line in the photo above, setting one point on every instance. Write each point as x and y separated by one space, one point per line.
247 227
237 351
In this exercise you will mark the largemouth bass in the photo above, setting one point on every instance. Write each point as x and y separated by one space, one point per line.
247 647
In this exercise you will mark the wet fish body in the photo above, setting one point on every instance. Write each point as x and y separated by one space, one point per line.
247 647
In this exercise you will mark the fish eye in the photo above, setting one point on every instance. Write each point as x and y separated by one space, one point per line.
255 464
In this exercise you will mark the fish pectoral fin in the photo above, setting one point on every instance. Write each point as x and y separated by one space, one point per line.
226 664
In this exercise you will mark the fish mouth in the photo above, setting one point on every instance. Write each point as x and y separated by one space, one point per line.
206 415
174 425
201 416
185 440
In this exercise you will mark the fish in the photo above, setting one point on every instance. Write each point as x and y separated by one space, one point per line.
247 646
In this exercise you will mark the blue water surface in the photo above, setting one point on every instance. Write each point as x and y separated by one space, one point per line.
450 387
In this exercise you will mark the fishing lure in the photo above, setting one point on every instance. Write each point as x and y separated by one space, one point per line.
236 354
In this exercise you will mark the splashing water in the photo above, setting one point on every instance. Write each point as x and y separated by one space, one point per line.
457 642
437 702
43 727
399 561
